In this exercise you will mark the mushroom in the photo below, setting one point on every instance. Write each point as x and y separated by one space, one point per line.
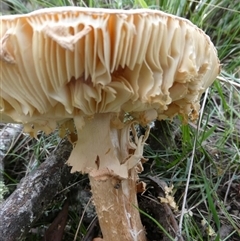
107 70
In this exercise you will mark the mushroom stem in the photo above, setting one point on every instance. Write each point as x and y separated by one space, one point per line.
116 203
112 159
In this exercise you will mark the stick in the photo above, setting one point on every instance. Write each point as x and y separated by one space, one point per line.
33 195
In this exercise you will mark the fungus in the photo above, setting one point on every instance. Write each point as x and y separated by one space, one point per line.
93 66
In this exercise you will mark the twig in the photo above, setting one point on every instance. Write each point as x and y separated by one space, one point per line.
228 81
183 211
80 221
90 230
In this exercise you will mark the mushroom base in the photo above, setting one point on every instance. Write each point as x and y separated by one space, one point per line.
116 205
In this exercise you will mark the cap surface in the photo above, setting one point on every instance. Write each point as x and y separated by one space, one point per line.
63 62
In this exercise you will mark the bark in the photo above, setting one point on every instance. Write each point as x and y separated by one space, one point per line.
33 195
9 134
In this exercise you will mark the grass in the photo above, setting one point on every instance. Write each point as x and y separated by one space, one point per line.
203 162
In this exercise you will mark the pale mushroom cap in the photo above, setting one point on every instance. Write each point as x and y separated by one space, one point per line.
59 63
